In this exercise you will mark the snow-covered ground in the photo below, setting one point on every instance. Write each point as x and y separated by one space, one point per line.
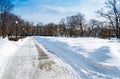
60 58
26 59
7 50
91 58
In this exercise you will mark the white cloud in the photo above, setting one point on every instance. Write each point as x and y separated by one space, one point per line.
53 13
98 1
56 9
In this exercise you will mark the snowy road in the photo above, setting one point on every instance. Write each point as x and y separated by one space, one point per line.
30 61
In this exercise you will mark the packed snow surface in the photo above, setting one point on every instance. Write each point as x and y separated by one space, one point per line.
91 58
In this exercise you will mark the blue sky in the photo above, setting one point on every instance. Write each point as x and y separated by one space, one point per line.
47 11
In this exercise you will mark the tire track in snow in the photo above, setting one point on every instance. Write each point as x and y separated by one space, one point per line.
54 69
44 62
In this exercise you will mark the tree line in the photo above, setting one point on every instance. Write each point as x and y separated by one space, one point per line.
12 25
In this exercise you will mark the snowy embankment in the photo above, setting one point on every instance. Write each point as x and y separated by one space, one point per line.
7 50
91 58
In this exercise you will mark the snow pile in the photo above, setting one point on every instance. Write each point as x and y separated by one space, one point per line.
91 58
7 50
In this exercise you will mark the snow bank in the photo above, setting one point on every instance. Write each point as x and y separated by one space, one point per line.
91 58
7 50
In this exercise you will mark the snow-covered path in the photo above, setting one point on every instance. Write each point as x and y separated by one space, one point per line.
91 58
30 61
22 64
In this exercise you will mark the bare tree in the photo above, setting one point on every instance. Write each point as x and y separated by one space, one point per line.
5 7
39 26
92 24
62 27
74 25
79 20
112 13
71 26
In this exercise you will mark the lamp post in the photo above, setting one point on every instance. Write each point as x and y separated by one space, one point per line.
16 22
25 32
